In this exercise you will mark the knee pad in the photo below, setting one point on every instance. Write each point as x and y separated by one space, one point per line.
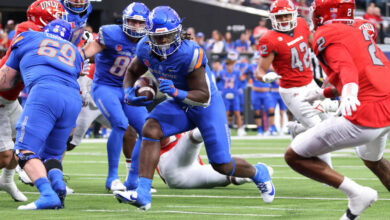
52 164
258 116
24 157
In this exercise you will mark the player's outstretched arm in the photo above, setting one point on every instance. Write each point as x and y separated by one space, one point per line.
135 70
263 66
91 49
8 78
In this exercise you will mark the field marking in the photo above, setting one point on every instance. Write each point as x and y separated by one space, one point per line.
255 207
183 212
217 197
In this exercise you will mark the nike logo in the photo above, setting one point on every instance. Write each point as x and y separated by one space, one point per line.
132 198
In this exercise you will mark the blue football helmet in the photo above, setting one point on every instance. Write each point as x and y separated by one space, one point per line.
59 28
135 11
75 6
164 30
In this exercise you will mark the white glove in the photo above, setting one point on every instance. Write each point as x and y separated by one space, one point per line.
270 77
86 67
318 107
349 99
313 95
84 97
87 36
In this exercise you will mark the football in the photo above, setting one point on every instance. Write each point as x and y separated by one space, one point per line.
145 86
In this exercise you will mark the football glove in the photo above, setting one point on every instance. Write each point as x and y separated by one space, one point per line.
349 99
87 36
270 77
167 86
132 99
86 67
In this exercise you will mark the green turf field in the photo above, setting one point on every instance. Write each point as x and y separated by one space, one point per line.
296 196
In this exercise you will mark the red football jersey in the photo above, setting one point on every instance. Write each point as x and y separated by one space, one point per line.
20 28
292 54
366 25
348 54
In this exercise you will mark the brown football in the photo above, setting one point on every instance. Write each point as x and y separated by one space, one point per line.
145 86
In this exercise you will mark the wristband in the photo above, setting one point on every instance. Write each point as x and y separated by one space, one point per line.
180 94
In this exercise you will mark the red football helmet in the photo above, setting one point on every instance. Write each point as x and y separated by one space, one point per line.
41 12
332 11
280 8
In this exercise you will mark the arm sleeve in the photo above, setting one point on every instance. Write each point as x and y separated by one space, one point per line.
340 62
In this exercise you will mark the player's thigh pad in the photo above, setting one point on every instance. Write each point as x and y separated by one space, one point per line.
212 124
172 117
46 108
373 151
333 134
136 116
109 100
9 113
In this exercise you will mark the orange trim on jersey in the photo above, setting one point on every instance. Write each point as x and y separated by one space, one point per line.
16 40
200 59
175 93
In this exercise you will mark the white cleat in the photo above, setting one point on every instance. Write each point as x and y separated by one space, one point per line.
23 177
241 132
30 206
13 190
69 191
153 190
238 180
358 203
116 185
131 197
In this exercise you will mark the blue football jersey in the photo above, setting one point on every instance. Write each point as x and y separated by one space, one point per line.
188 57
78 23
230 81
250 71
45 58
112 62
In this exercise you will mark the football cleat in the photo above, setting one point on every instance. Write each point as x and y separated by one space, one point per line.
264 183
69 191
116 185
358 203
23 177
238 180
44 202
12 189
132 198
295 128
153 190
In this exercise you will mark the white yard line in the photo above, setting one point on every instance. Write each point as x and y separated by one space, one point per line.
218 197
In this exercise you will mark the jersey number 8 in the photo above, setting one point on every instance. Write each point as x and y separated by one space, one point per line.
120 66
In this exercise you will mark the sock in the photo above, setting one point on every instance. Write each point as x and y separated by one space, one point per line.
8 175
131 182
260 130
43 186
145 184
349 187
256 177
57 181
197 136
88 134
104 132
114 147
128 166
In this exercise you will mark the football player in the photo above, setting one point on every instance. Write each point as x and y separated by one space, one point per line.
77 14
114 49
39 13
286 48
181 67
180 162
360 72
231 79
51 109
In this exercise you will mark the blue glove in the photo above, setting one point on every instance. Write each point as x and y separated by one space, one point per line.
132 99
167 86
